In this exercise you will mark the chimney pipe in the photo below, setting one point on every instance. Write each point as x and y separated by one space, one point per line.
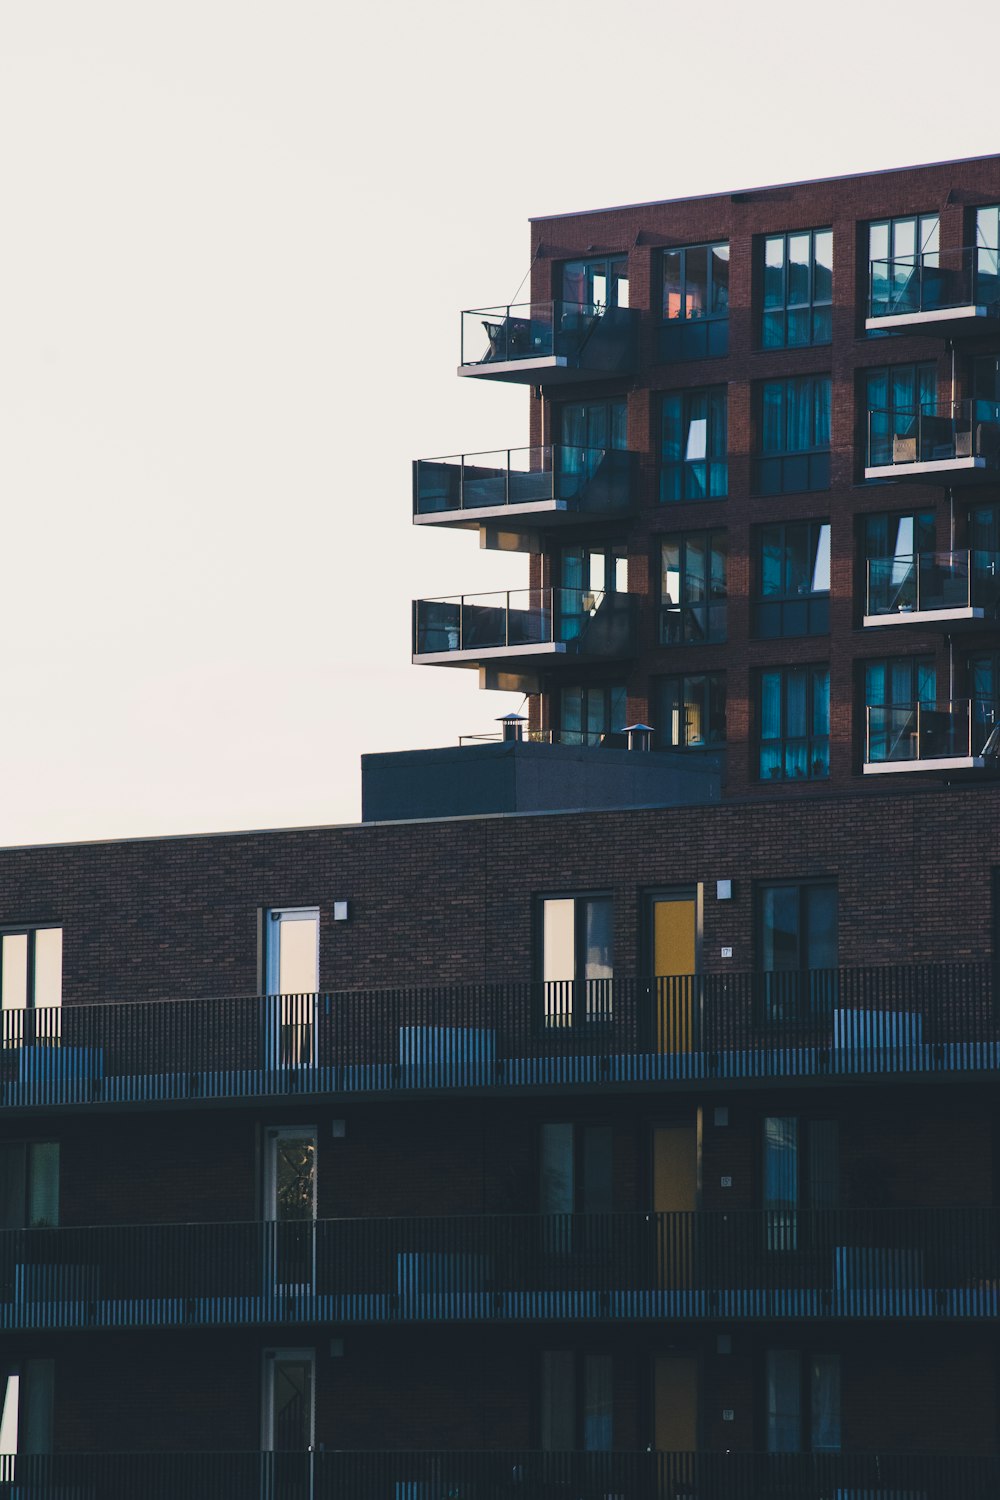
511 727
640 736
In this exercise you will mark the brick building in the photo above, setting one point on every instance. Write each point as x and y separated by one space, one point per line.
588 1121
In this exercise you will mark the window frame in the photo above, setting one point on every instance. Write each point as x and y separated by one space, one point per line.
39 1025
806 1358
715 464
570 1002
705 336
811 739
716 677
784 308
816 601
579 1358
792 471
712 607
588 263
609 735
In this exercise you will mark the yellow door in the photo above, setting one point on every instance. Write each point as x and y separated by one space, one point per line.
674 935
675 1197
675 1403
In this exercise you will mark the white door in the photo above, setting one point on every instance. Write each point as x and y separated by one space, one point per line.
291 972
290 1208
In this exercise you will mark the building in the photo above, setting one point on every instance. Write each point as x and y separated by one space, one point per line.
591 1120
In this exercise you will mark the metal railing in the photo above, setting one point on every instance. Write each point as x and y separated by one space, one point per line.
772 1263
591 480
934 435
586 335
957 728
926 582
933 281
511 1474
909 1020
589 621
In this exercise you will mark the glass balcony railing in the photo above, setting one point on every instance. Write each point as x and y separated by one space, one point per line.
918 734
960 441
585 481
546 338
933 583
926 286
579 621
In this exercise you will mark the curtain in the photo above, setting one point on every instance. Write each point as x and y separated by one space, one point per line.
773 416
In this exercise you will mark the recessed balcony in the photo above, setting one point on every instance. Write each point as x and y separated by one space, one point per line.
948 446
939 738
525 488
548 343
949 590
545 626
946 292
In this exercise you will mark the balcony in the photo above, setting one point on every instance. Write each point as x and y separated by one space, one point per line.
494 1474
947 292
921 1022
550 627
549 343
956 735
525 488
950 446
926 1264
953 590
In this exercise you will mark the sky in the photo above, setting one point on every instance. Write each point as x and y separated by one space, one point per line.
235 239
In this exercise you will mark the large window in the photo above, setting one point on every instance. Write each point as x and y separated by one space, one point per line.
26 1399
29 1184
797 926
894 686
794 723
592 714
693 588
800 1169
602 282
695 302
984 690
895 395
576 958
794 435
986 387
798 289
793 579
895 247
575 1169
987 243
577 1399
30 985
691 711
803 1401
693 450
593 424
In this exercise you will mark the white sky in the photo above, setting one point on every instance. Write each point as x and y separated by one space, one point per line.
236 237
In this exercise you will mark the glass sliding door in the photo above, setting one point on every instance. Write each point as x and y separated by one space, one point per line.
31 987
577 962
291 965
288 1426
290 1208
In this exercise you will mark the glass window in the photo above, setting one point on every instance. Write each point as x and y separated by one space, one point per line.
695 302
986 388
984 690
798 289
803 1401
592 425
895 395
691 711
26 1401
577 958
576 1169
592 714
693 445
29 1184
794 723
894 687
693 588
31 986
793 435
895 247
793 579
558 1425
987 254
596 283
798 926
577 1393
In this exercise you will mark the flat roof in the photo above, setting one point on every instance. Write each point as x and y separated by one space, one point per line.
769 187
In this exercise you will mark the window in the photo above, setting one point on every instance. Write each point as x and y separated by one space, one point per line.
693 588
695 302
575 1169
794 427
894 248
894 396
800 1169
797 927
889 544
592 714
291 971
803 1401
693 450
794 723
586 429
577 1401
984 690
596 283
793 579
798 289
986 388
576 958
987 261
691 711
29 1184
587 575
26 1397
31 986
893 688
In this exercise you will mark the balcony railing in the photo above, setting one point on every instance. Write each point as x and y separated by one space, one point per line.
540 342
918 1020
521 1474
544 621
943 445
916 736
587 483
937 288
780 1263
952 584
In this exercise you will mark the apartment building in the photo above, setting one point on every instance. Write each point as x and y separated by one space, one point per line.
612 1113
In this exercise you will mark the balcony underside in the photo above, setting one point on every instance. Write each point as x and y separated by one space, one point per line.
945 765
552 655
968 617
544 369
534 515
948 322
950 471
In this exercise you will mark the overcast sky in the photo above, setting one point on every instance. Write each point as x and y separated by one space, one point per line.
236 237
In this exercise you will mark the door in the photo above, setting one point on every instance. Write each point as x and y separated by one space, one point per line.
288 1424
675 1201
675 1403
290 1209
291 971
674 931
